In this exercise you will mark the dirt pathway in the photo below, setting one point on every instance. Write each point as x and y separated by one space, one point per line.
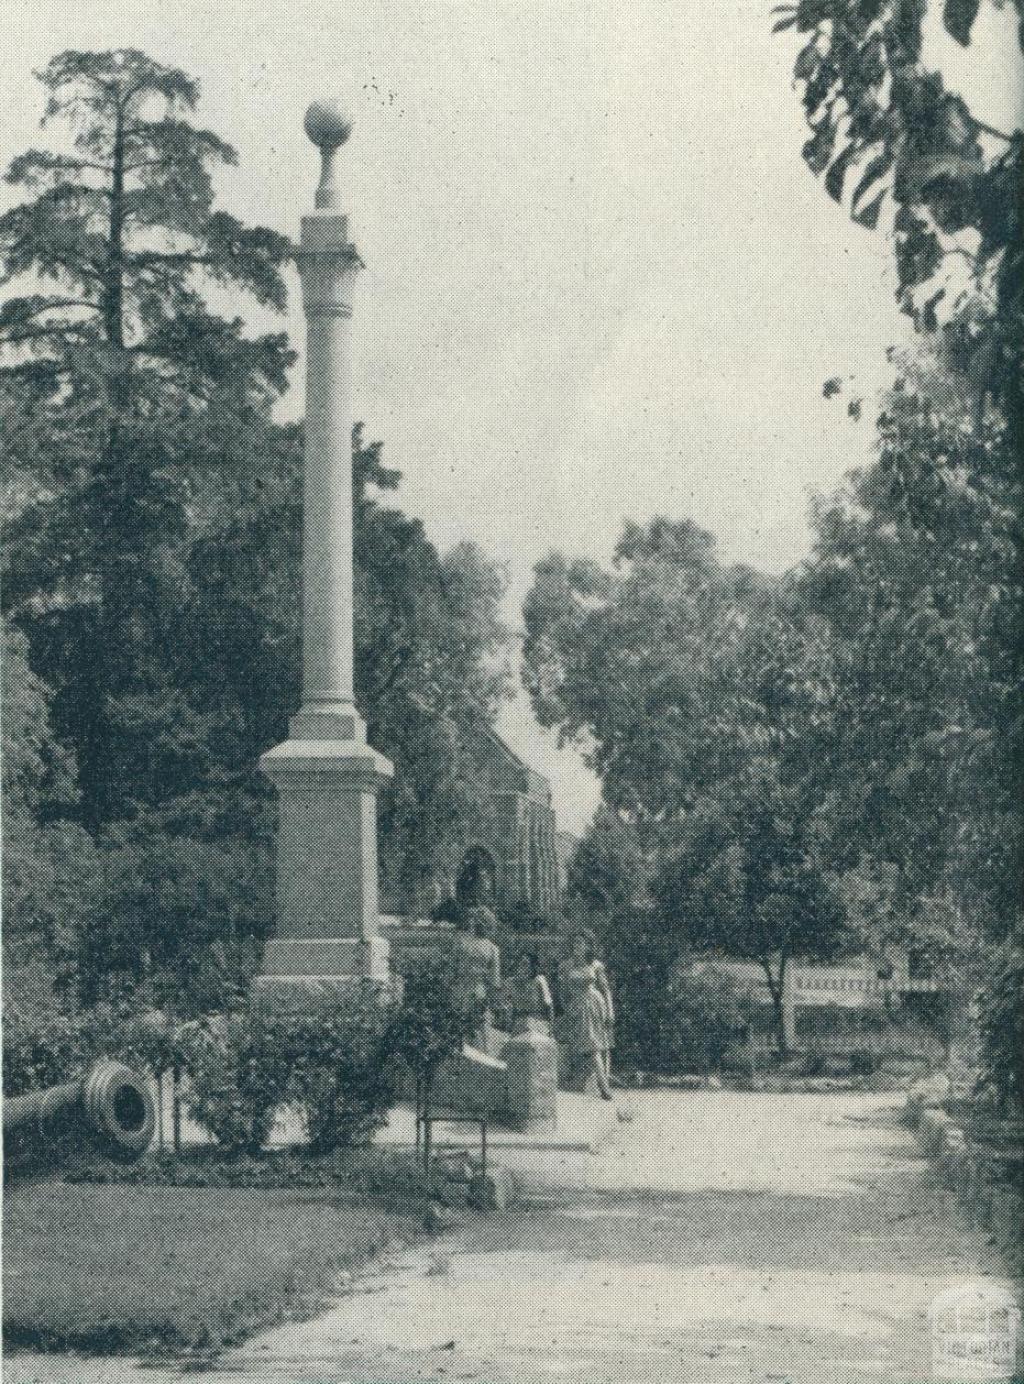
719 1237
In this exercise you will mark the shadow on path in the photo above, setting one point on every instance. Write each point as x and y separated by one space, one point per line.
718 1238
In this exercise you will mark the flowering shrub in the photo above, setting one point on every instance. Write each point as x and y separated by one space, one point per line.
234 1082
334 1066
343 1072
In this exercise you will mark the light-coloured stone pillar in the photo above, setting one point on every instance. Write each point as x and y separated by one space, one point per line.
326 775
531 1060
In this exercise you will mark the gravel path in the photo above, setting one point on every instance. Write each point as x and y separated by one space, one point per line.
718 1237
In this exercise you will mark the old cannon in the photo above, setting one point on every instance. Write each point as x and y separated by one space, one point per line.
110 1111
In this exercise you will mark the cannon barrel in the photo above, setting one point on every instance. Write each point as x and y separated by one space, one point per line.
109 1109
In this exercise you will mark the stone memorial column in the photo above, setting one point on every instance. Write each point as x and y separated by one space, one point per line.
327 776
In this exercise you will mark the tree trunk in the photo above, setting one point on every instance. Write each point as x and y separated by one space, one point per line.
109 499
176 1108
113 278
776 989
428 1090
118 387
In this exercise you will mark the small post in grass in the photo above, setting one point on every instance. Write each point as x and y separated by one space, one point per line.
160 1109
176 1108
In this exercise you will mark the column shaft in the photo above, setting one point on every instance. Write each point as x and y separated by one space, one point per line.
327 523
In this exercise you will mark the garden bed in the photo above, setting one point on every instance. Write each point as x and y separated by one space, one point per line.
191 1255
978 1156
391 1178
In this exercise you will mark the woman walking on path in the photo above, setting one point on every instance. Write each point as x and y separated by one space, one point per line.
608 1025
587 1018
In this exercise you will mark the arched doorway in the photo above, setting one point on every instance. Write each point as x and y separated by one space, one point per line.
477 880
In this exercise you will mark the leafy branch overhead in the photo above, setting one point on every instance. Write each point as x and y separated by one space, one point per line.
885 130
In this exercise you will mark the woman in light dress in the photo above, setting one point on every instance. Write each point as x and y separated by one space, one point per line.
588 1017
475 967
603 985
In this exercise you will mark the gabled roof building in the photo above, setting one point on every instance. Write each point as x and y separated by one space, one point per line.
516 844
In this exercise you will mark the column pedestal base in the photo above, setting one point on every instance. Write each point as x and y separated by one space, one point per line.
327 910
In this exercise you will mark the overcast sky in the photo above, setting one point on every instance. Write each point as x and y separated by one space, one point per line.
600 281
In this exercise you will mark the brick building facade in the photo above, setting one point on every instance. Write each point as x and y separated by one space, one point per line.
516 847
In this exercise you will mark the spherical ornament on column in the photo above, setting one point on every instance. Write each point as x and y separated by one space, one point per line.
327 124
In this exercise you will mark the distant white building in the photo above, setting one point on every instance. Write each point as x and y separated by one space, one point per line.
827 1005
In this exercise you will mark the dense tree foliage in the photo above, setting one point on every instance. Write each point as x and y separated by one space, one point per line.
50 865
918 568
609 872
635 664
138 417
745 874
705 1014
825 762
1002 1024
837 757
144 405
703 694
921 560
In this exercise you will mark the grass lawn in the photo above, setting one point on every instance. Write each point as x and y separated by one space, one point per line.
113 1269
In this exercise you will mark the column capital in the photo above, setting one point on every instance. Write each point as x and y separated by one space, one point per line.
328 263
326 233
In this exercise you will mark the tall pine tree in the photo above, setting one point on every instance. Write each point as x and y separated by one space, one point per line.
144 411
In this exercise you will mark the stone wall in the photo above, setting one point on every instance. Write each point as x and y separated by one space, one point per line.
513 1079
413 941
517 1089
996 1206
